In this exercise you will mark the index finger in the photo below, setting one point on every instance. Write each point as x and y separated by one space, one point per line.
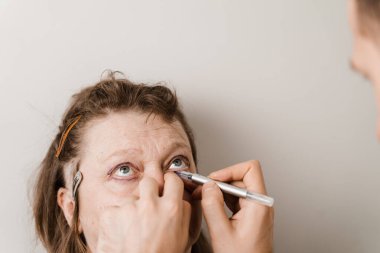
173 186
249 172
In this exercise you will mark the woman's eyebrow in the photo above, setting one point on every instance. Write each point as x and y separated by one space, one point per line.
121 152
177 145
169 149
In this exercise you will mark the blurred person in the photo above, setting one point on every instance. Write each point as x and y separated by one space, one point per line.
364 19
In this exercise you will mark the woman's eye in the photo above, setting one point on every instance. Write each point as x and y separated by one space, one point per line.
179 163
124 171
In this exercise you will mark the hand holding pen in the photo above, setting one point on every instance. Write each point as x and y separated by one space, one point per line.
250 229
228 188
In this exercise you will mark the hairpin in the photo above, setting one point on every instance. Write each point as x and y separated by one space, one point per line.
65 134
76 182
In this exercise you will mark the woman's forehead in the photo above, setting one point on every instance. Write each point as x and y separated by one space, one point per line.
131 130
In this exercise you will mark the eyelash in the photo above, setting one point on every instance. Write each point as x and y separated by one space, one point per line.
111 174
136 170
183 158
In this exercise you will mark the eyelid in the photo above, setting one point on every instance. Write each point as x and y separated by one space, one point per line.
114 169
183 158
136 168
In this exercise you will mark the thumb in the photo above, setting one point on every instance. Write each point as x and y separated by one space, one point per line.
213 210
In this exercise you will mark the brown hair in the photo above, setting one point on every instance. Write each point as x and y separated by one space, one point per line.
109 95
369 14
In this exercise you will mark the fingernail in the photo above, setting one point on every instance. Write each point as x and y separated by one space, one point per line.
213 174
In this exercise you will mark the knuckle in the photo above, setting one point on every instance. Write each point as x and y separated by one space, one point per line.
172 208
255 164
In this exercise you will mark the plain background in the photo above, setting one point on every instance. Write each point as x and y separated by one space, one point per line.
266 80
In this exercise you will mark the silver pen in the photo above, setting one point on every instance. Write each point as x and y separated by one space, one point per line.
227 188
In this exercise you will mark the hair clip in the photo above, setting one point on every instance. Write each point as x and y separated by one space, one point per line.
65 134
76 182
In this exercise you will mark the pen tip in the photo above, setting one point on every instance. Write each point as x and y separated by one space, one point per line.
184 174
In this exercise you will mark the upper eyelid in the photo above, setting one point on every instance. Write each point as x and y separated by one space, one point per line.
183 157
180 156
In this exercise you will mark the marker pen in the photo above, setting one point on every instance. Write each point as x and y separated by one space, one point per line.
227 188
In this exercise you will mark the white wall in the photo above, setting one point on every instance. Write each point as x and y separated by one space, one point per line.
266 80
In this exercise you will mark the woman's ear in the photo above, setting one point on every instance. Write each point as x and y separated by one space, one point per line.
66 203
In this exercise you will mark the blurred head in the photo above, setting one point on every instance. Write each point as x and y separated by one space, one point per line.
125 132
364 17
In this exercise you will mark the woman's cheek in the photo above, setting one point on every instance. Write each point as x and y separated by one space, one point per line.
111 193
92 205
122 188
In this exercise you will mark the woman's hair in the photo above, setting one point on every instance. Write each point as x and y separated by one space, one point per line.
109 95
369 14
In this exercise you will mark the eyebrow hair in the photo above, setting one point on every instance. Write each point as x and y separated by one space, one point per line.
177 145
169 149
122 152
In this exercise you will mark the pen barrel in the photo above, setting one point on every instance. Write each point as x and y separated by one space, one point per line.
235 191
227 188
263 199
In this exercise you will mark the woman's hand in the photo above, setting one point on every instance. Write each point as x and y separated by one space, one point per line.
250 229
149 223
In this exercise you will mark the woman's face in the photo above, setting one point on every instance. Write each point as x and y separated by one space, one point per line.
120 149
366 51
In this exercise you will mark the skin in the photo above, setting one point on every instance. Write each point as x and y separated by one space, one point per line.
366 51
250 228
126 159
122 215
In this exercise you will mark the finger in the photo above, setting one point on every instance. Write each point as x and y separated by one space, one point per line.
249 172
173 186
232 202
189 185
239 184
186 215
213 210
197 193
148 188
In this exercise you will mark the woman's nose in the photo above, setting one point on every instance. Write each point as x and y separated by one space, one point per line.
157 174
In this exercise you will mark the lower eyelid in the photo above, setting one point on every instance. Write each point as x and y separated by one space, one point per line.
131 179
173 170
134 176
131 165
